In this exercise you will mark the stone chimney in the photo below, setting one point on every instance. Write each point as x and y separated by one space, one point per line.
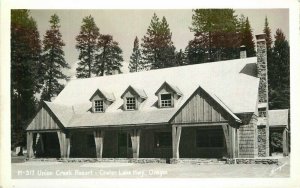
243 53
262 68
263 102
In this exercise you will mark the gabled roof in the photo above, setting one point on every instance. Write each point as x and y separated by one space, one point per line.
278 117
106 95
172 87
60 113
140 92
224 79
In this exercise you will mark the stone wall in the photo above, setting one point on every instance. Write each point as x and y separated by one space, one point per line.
261 141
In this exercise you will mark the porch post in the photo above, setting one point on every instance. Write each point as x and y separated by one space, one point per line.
64 144
176 133
284 143
30 153
228 139
135 141
42 143
68 144
99 138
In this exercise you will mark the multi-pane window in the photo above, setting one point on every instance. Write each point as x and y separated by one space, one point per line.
163 139
130 103
99 106
210 138
166 100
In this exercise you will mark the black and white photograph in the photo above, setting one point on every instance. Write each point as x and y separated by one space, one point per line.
198 93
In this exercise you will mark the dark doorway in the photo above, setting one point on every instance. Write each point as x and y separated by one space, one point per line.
83 145
47 145
124 145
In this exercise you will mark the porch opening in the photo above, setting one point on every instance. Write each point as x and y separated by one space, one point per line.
202 142
124 145
47 145
82 145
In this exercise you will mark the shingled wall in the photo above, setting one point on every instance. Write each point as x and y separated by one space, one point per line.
247 136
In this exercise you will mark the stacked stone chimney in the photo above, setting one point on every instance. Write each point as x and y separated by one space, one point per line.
263 106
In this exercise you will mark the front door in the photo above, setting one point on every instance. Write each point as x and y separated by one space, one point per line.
124 145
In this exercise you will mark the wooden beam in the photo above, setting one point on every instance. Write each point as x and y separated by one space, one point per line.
201 124
284 143
135 142
68 144
99 139
236 142
227 139
64 144
176 134
30 153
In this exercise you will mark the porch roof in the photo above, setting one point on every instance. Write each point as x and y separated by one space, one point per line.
278 117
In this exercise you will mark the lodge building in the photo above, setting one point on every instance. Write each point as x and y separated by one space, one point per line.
211 110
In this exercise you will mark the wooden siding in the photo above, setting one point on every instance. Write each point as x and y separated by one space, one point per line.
200 108
43 121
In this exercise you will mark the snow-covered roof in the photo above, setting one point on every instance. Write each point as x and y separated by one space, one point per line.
226 81
278 117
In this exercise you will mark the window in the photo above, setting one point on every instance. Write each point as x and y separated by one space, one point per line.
130 103
99 106
210 138
163 139
166 100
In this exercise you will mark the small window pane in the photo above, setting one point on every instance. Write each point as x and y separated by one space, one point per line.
99 106
166 100
130 103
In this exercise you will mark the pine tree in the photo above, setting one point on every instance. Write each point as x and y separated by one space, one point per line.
87 46
157 48
217 31
53 60
279 73
26 74
267 31
109 58
247 38
135 64
196 52
179 58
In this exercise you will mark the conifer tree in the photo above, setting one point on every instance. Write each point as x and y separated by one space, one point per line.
26 74
180 58
53 60
157 48
196 51
279 73
267 31
109 57
87 45
217 32
247 39
135 64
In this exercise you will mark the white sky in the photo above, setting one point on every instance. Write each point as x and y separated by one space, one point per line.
124 25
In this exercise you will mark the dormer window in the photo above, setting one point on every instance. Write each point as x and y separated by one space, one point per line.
98 106
166 100
101 100
167 95
130 103
133 98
